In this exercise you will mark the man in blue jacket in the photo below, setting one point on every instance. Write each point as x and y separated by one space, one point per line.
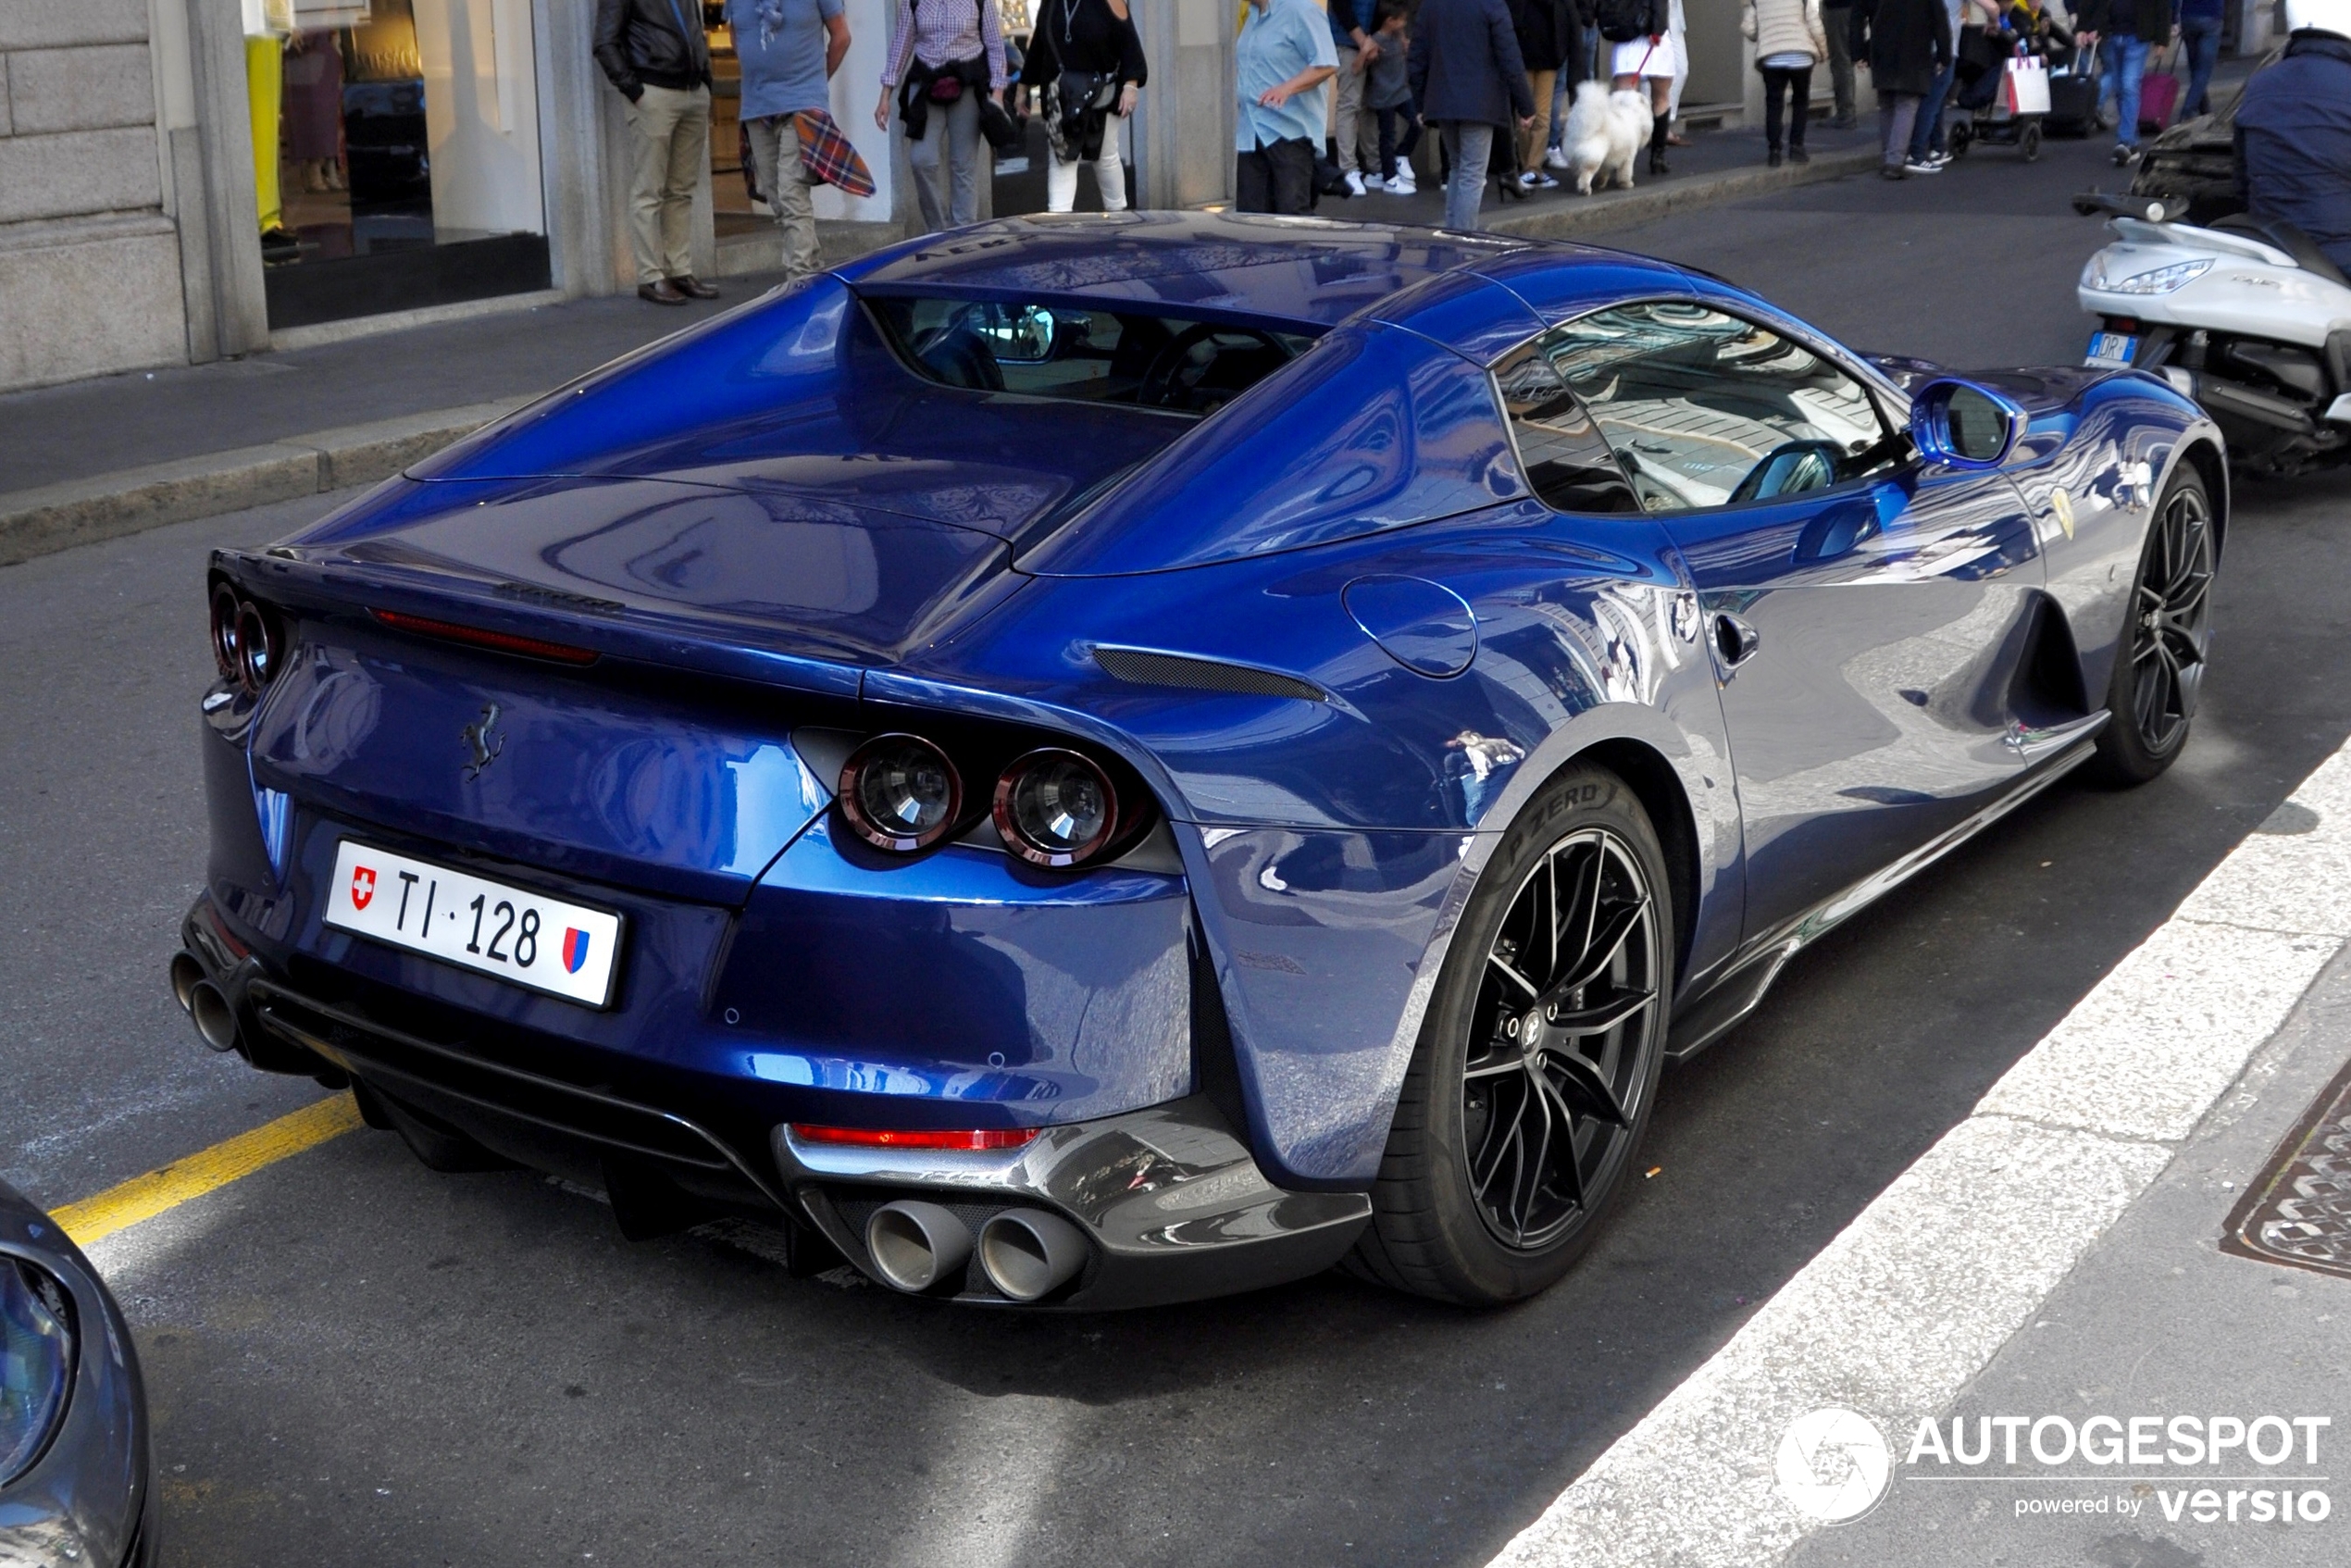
2294 130
1470 82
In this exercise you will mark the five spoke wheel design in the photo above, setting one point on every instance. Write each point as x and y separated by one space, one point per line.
2169 621
1562 1024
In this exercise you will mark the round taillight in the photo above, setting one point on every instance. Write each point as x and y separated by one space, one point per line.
899 793
225 608
1056 807
257 648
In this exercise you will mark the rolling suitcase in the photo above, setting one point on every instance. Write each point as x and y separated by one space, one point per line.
2073 95
2160 95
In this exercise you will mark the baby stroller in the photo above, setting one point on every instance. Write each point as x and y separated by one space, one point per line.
2003 86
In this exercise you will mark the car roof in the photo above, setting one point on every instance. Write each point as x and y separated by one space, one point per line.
1304 274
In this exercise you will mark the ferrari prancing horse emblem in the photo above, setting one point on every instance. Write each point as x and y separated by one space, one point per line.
482 740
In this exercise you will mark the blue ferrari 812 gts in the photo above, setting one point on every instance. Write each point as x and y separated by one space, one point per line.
1086 762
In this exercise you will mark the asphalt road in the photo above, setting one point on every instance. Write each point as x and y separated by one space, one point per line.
355 1361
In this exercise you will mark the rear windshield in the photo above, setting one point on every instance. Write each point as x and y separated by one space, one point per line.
1086 353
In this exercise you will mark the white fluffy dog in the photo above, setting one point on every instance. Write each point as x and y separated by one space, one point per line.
1605 132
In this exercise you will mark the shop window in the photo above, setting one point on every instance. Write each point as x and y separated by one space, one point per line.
396 153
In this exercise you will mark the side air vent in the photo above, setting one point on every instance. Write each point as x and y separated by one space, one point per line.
1146 668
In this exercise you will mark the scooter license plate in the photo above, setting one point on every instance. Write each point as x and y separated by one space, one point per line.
2112 351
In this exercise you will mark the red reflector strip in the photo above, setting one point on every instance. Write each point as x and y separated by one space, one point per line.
503 642
916 1138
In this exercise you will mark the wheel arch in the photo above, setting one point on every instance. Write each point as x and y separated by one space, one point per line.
1659 788
2211 466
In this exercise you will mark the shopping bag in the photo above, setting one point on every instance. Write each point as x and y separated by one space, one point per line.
2026 87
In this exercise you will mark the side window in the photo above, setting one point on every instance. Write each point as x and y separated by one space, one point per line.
1567 462
1708 409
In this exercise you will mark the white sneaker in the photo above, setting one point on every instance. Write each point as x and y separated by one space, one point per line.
1557 158
1354 183
1930 167
1526 180
1373 183
1403 185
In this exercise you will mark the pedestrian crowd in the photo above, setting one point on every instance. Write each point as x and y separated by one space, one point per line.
1331 98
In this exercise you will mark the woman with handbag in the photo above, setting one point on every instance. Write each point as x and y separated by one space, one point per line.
1086 61
945 57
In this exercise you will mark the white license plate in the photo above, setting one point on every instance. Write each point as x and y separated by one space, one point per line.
565 950
2113 351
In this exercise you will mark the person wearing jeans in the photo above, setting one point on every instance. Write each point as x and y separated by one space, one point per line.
1909 45
788 50
932 45
1470 81
2200 31
1352 36
2125 31
1283 56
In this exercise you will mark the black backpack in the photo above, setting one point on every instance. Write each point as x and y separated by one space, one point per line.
1621 21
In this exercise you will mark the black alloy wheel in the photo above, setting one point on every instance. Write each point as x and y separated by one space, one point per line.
1538 1061
1570 975
2159 666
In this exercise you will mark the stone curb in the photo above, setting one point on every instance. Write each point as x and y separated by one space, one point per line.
1646 204
57 517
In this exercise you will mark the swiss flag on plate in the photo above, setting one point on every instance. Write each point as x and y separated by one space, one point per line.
362 886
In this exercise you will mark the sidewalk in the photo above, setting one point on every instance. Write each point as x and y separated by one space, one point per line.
2048 1341
2158 1322
121 454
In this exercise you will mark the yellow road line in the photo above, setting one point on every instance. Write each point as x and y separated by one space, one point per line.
144 1197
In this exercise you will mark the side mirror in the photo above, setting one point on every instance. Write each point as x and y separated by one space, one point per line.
1961 425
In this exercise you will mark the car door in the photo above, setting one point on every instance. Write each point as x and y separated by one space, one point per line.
1869 612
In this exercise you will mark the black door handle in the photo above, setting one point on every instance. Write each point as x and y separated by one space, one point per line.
1734 640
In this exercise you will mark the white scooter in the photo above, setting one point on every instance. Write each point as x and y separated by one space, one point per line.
2247 316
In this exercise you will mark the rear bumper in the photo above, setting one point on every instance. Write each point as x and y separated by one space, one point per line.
1171 1203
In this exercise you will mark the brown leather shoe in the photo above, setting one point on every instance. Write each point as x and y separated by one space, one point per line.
662 292
693 288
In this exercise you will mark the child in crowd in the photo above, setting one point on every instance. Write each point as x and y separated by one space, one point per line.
1387 93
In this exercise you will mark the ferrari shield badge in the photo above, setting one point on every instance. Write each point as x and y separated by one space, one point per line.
2062 505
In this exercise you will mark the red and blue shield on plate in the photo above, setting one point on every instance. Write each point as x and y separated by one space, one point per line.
575 949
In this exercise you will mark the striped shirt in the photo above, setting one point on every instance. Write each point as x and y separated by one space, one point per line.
939 31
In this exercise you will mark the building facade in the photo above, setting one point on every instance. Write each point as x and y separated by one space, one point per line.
182 180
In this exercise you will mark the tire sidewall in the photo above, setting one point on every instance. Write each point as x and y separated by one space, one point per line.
1576 800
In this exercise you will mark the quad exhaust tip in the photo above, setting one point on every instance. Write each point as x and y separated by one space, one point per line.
186 976
918 1246
1028 1254
202 1001
214 1019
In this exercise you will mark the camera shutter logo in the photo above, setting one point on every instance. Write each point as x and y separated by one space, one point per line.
1833 1464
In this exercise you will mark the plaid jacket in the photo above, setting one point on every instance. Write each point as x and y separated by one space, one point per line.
828 155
